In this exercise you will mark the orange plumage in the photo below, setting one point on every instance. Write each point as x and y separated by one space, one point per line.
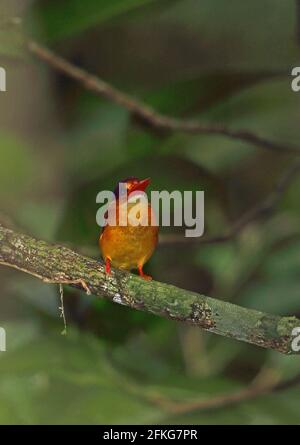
129 246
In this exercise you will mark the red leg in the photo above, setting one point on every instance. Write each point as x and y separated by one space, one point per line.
107 266
143 275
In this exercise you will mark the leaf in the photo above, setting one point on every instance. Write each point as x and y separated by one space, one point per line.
17 160
231 35
277 287
82 15
56 379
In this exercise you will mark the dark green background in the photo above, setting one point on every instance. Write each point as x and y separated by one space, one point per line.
212 60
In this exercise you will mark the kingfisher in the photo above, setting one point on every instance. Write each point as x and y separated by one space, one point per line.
130 245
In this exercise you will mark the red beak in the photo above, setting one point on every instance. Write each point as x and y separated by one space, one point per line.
141 185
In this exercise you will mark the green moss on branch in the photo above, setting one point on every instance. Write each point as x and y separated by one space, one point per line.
58 264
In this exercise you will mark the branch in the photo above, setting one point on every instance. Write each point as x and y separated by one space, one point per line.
264 209
58 264
253 391
145 113
270 384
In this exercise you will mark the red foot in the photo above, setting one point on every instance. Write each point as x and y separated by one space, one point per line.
107 266
143 275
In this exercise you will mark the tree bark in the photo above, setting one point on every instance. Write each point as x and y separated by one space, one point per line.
58 264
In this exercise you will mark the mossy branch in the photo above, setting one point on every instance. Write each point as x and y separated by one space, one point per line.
58 264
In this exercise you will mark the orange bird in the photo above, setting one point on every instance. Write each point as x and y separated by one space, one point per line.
129 246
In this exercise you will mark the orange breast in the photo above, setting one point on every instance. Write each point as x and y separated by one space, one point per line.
129 246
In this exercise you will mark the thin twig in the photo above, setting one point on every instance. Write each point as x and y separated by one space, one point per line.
144 112
223 401
261 210
180 407
271 384
62 308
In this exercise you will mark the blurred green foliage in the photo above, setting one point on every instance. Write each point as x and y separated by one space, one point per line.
60 145
79 17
